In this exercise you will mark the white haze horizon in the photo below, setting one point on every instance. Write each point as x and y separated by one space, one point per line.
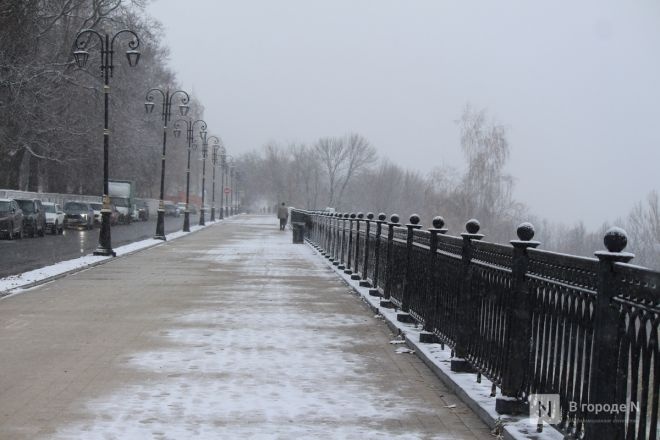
575 84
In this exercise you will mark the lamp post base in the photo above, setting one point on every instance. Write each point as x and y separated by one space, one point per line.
186 221
104 248
201 217
212 214
104 252
160 226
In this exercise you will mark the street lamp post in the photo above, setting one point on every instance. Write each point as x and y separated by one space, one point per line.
229 159
166 115
81 56
190 127
223 157
237 201
217 144
205 151
232 167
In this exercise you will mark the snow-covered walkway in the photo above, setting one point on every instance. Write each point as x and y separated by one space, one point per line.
229 333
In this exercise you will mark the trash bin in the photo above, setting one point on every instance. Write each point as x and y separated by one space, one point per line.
298 232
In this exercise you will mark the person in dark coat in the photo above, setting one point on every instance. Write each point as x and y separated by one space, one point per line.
283 215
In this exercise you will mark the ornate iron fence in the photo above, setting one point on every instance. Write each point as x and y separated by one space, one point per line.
586 330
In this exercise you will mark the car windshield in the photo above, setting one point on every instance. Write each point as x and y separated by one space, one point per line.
75 206
96 206
26 205
5 206
119 201
49 208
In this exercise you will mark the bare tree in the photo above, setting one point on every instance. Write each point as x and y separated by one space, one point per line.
51 112
486 189
342 159
643 225
307 174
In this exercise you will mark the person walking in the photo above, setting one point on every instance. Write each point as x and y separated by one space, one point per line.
283 215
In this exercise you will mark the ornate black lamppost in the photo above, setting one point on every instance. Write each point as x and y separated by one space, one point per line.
230 175
222 158
81 56
190 127
229 159
166 115
237 199
217 144
205 152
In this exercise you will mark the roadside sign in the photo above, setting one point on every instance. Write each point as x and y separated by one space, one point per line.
227 190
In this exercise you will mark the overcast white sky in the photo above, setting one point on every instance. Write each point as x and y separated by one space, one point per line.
576 83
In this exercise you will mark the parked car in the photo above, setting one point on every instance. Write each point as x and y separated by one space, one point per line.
192 208
97 212
11 219
34 217
135 214
171 210
143 210
54 217
114 215
181 206
78 214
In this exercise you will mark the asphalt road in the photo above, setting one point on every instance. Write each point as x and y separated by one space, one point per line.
19 256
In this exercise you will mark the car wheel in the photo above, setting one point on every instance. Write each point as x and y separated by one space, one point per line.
61 230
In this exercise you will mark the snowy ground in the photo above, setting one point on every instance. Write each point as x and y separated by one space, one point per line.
273 346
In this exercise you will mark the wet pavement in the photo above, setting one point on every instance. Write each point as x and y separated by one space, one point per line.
17 256
231 332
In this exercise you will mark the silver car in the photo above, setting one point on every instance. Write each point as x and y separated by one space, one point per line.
78 214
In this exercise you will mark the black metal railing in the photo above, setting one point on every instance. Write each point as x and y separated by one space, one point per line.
531 321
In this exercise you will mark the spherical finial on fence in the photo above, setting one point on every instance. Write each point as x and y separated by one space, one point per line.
370 215
352 215
472 226
525 231
382 216
438 222
346 215
616 239
360 215
414 219
394 218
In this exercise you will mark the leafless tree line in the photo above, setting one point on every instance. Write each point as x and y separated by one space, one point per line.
345 173
51 112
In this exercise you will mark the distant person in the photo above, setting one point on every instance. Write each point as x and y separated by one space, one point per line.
283 215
